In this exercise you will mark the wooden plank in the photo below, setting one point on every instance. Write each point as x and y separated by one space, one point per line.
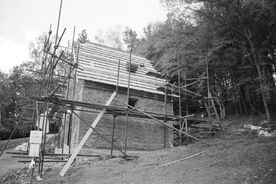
112 79
142 78
103 53
134 81
111 109
215 109
86 136
186 90
92 48
191 156
139 88
107 56
104 66
112 66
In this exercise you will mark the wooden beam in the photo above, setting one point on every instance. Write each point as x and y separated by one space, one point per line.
189 84
186 90
86 136
191 156
109 109
112 139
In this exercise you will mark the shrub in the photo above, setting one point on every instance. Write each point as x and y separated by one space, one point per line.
4 133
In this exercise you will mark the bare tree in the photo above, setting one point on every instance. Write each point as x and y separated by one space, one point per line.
112 37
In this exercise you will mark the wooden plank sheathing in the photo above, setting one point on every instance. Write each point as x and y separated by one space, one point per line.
140 88
105 59
108 68
123 56
92 48
94 62
100 64
135 79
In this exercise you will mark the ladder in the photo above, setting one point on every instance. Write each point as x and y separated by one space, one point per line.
211 107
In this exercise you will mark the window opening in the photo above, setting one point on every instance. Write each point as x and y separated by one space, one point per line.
132 102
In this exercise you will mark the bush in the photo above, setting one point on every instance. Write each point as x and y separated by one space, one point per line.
4 133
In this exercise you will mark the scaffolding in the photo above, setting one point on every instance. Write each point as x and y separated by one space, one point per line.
56 103
180 88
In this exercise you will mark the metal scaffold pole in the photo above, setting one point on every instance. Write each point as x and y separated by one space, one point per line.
165 108
179 99
128 86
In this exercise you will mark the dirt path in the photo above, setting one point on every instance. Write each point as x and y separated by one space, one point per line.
6 162
232 158
229 160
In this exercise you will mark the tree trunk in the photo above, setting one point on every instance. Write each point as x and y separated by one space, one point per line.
243 100
0 115
236 110
222 110
245 106
240 107
262 92
252 109
268 117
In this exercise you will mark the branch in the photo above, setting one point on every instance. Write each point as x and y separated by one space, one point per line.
215 20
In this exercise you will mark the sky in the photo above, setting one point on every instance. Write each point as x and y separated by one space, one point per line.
21 21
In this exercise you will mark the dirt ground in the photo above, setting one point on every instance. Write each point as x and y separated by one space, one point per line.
231 158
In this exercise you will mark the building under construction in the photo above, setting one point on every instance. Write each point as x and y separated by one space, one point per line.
100 97
105 69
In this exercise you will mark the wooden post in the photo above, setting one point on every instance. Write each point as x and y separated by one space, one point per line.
208 91
118 76
86 136
64 132
44 132
186 130
186 99
112 139
215 109
208 82
186 124
179 101
128 91
207 108
165 109
70 130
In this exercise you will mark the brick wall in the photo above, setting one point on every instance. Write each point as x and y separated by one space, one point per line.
143 134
